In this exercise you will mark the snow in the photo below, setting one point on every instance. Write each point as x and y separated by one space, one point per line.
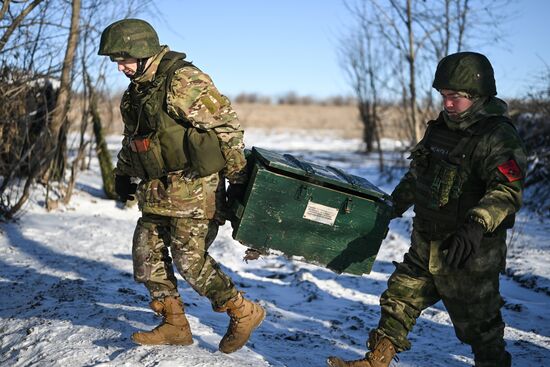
68 296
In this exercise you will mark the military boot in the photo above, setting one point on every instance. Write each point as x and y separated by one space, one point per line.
245 317
174 328
381 356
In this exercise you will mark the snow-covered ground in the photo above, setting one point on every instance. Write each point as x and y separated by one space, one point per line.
67 297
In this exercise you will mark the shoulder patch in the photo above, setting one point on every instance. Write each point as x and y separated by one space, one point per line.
511 170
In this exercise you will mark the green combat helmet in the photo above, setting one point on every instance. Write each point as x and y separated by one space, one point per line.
129 38
469 72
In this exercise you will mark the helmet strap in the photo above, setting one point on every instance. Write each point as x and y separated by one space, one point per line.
140 67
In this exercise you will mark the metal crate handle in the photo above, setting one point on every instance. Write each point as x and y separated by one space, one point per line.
350 179
302 165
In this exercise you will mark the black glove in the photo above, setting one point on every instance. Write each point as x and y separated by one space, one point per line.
124 188
395 213
235 192
463 245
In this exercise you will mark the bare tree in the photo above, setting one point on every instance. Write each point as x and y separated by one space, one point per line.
361 66
40 69
59 124
17 20
412 36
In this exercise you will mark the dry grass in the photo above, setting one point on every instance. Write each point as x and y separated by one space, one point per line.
343 121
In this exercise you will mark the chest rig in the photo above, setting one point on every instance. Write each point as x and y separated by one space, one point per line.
154 138
448 184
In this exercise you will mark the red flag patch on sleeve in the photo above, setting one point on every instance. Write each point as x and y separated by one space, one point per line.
511 170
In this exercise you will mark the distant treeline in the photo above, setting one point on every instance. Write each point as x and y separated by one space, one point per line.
293 98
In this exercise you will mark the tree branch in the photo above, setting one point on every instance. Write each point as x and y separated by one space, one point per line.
13 26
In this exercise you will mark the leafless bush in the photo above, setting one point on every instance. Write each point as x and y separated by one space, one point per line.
338 101
532 117
392 47
46 49
251 98
290 98
293 98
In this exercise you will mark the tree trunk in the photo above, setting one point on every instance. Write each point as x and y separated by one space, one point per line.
462 24
74 170
377 138
368 130
412 76
59 115
103 155
374 109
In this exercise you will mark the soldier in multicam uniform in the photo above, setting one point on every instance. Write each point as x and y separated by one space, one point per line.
465 182
181 138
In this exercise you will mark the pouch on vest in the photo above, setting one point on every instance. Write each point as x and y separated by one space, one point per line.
172 142
145 153
204 151
444 184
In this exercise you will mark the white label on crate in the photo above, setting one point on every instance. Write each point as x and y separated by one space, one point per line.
320 213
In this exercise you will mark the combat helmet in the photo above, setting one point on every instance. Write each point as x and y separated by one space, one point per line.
470 72
129 38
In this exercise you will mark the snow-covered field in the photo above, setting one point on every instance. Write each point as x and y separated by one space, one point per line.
67 297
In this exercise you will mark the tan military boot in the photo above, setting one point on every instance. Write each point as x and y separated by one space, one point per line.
381 356
245 317
174 329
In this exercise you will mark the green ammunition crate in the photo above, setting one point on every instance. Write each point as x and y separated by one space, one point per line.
319 213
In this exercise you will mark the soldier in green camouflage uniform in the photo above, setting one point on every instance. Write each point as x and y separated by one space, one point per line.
465 182
181 139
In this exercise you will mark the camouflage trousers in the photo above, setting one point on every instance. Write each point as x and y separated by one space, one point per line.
160 240
470 295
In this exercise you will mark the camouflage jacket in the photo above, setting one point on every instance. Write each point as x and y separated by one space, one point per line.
191 97
492 165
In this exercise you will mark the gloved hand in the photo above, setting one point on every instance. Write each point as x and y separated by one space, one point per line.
235 192
463 245
124 188
395 213
158 191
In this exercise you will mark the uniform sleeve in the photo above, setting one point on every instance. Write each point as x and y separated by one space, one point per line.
124 163
502 165
193 97
403 194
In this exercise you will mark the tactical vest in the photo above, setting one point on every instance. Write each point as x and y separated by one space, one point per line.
156 139
447 186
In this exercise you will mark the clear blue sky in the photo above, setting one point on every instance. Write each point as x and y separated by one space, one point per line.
275 46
